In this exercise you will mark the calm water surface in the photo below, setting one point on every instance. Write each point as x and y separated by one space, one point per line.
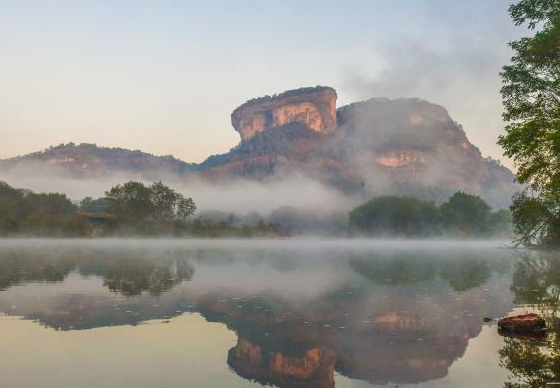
312 313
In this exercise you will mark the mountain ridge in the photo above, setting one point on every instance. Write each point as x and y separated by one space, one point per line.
405 146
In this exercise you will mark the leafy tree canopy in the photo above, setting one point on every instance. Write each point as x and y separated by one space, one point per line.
531 98
466 214
23 212
462 215
390 215
99 205
134 201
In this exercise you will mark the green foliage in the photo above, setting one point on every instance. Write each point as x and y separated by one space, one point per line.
463 215
23 212
395 216
531 97
185 208
134 209
535 221
133 201
99 205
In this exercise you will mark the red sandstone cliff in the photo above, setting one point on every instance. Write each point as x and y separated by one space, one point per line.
375 147
314 107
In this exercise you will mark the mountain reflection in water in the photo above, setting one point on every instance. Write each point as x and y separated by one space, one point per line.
303 312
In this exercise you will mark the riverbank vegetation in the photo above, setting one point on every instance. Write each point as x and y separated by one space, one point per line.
131 209
462 215
136 209
23 212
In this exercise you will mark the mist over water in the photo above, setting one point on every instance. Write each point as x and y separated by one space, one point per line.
330 312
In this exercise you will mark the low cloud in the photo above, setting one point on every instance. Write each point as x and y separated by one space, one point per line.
235 195
459 72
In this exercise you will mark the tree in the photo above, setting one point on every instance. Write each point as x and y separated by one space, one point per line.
23 212
534 221
388 215
130 201
133 201
465 214
531 98
99 205
185 208
163 199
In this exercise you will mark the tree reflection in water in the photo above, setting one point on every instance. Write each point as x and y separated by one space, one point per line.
126 273
132 276
535 362
407 269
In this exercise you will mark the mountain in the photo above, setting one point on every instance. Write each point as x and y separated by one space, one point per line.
90 161
380 146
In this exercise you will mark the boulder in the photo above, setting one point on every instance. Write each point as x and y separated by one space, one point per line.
526 324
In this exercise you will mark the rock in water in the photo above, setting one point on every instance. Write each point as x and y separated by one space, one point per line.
522 324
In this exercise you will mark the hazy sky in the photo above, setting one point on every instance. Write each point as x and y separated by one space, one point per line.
164 75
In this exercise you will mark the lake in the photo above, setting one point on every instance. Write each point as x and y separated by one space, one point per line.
287 313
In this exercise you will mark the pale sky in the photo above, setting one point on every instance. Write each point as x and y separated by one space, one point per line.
164 75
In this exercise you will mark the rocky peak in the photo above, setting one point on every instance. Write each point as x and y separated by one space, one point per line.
314 107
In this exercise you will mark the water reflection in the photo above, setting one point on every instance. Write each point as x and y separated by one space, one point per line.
375 313
123 272
535 362
313 367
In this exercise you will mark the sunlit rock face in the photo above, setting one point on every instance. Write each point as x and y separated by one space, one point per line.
400 158
314 107
380 146
308 368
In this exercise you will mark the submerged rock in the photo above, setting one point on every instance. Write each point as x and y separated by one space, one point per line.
531 325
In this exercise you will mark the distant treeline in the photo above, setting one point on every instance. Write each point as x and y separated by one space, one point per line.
129 209
134 208
23 212
462 215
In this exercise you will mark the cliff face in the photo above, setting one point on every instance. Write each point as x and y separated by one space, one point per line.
375 147
314 107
